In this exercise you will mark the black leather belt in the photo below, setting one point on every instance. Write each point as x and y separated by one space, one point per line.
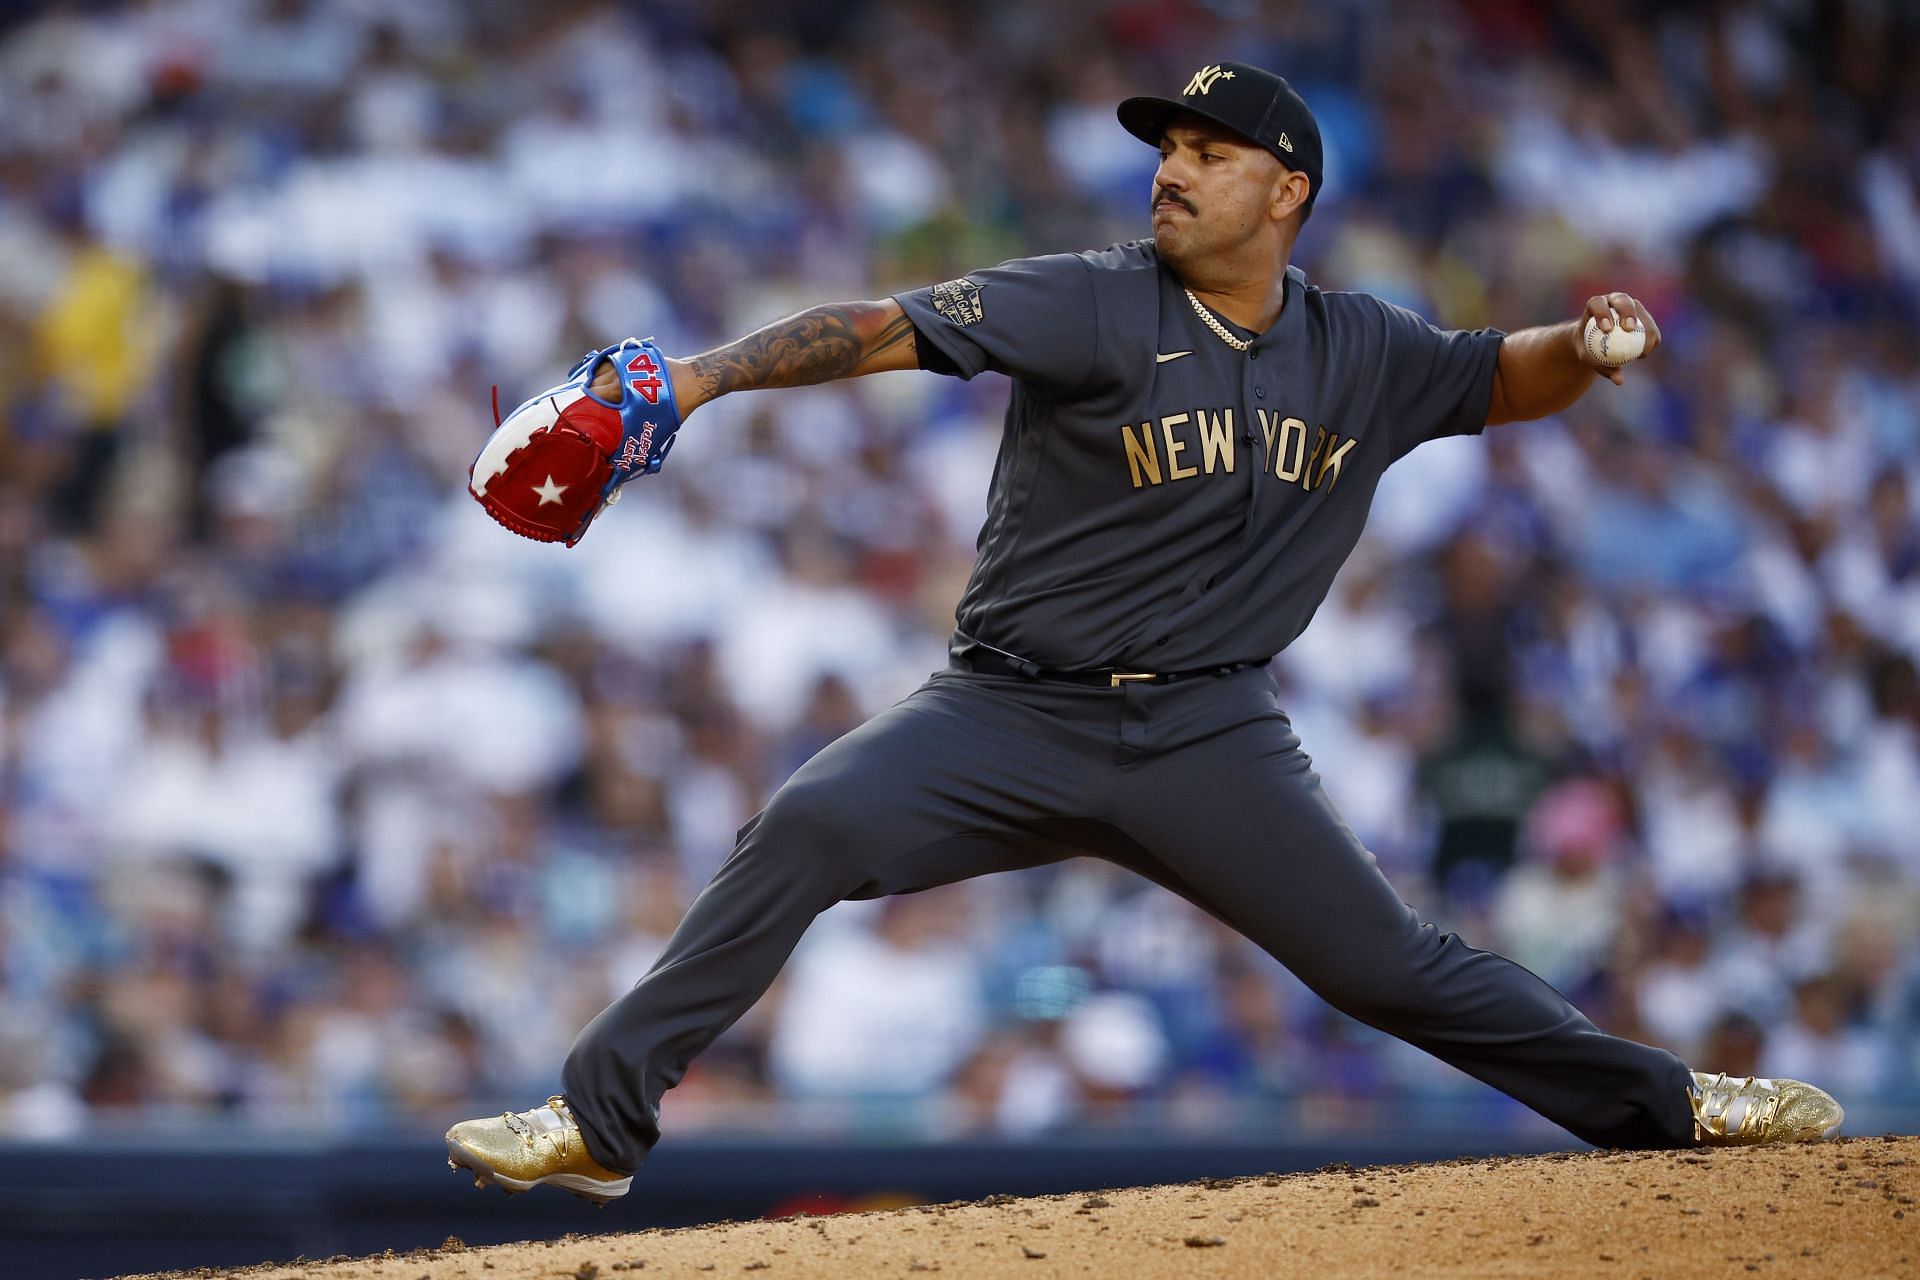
991 662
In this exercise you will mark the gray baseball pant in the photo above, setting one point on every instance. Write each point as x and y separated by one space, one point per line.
1198 785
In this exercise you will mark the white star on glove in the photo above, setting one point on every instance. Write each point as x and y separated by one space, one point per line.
550 492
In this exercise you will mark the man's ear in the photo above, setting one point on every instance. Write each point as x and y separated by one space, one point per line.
1289 193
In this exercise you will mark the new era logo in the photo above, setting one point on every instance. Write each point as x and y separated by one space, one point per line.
1284 143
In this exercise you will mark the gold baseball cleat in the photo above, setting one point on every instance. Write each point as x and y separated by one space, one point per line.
518 1152
1744 1112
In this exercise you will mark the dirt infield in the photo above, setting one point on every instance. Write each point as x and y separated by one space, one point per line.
1841 1209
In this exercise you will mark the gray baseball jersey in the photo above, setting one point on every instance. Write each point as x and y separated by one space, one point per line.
1161 500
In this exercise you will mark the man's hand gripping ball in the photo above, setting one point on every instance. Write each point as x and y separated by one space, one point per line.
552 464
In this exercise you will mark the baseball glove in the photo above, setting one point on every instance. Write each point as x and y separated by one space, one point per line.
552 464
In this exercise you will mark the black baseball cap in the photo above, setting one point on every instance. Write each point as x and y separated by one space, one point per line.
1258 105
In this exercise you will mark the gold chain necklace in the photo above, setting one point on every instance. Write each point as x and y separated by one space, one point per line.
1213 323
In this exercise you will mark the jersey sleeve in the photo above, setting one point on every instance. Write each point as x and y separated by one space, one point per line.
1033 319
1440 381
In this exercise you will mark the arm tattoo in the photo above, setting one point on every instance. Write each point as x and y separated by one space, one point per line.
815 346
896 331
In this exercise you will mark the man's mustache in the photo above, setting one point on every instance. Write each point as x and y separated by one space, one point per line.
1175 197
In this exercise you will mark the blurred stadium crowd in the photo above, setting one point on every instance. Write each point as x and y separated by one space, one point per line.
321 796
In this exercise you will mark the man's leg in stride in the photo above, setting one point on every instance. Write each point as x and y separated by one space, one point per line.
1241 823
944 786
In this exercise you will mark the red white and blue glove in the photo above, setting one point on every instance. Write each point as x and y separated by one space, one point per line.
554 463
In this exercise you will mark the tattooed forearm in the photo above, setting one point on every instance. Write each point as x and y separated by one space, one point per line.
839 341
818 345
813 346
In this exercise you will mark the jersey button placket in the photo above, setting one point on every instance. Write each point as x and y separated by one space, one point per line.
1255 472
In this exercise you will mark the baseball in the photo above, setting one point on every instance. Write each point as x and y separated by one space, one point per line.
1615 347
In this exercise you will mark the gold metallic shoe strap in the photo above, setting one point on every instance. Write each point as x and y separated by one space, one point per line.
558 1105
1716 1098
1759 1120
524 1128
1709 1108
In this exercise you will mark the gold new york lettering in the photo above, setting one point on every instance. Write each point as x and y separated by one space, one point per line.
1175 447
1293 439
1332 463
1141 458
1216 438
1319 443
1289 457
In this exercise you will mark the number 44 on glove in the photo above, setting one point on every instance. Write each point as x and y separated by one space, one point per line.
552 464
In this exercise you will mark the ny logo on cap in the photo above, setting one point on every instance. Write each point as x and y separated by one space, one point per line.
1203 80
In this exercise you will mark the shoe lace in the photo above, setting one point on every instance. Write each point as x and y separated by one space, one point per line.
1716 1099
521 1126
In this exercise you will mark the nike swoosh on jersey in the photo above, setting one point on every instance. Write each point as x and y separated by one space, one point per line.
1165 356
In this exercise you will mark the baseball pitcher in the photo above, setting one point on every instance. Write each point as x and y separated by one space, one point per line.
1194 435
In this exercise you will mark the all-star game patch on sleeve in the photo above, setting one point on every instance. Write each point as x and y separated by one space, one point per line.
1032 318
1439 381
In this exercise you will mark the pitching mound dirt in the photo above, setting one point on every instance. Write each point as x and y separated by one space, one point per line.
1841 1209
